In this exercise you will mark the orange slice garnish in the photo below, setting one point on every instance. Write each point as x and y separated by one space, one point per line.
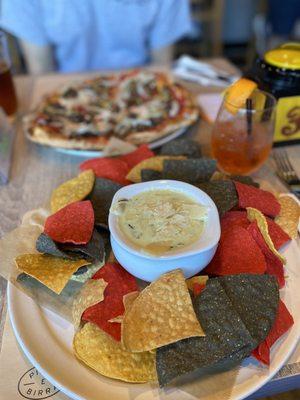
237 94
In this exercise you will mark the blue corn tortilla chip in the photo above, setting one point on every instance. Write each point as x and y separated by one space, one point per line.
104 232
150 175
247 180
230 334
223 193
226 340
181 147
191 170
92 251
101 198
46 245
256 300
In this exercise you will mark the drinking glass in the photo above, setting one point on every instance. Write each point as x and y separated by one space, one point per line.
242 137
8 100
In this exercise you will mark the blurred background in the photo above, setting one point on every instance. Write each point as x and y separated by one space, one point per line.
236 29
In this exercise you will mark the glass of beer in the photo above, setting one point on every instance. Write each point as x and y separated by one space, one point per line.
242 137
8 100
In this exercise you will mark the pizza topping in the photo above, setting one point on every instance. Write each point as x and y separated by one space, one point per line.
132 124
174 109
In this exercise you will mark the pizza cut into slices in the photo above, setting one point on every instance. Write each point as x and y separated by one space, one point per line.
137 106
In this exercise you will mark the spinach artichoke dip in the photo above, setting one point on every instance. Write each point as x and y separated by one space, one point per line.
160 221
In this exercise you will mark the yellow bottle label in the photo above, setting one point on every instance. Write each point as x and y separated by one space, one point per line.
287 122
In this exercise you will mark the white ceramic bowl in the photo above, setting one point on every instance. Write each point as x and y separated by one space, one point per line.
190 260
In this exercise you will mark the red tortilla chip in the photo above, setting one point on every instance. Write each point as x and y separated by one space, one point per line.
234 218
109 168
282 324
277 234
273 263
275 268
237 253
119 283
73 223
250 196
135 157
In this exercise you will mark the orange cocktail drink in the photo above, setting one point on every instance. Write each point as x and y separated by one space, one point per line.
242 138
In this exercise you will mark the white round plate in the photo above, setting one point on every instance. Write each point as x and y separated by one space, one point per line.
95 153
46 339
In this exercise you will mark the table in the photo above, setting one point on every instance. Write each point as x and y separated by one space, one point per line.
36 170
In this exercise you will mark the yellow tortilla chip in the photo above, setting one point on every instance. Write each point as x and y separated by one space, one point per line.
106 356
162 313
128 300
53 272
92 292
156 163
255 215
75 189
288 218
201 280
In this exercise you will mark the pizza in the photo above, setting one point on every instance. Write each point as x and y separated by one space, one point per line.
138 106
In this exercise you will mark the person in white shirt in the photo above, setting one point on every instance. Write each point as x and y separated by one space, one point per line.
77 35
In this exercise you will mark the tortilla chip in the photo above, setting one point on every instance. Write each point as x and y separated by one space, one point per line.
237 253
150 175
181 147
228 339
52 272
200 279
191 170
142 153
120 282
283 322
92 251
91 293
256 215
128 300
262 200
274 265
101 198
255 298
277 234
76 189
72 224
288 218
108 168
234 218
44 244
196 284
221 176
154 163
247 180
86 272
223 193
231 218
161 314
106 356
